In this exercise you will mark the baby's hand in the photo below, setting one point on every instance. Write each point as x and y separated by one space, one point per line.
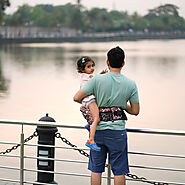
104 71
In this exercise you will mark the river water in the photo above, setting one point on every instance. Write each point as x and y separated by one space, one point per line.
36 79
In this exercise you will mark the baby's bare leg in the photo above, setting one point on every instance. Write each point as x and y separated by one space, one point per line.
96 119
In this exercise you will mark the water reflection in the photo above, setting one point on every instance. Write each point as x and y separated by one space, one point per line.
28 57
4 83
163 64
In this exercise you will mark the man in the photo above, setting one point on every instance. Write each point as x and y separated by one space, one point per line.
112 91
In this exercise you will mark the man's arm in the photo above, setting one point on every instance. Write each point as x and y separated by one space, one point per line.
79 96
133 108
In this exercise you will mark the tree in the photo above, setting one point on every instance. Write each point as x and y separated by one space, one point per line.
22 16
167 9
99 19
3 5
137 22
40 17
165 18
76 20
118 19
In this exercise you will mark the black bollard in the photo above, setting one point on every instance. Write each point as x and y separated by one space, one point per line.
46 136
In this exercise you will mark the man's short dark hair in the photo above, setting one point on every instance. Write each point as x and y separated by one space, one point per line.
116 56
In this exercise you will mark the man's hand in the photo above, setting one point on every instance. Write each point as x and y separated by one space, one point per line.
79 96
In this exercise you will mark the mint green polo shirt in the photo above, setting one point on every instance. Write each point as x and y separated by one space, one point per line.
112 90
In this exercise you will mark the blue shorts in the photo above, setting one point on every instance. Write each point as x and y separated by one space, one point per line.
113 142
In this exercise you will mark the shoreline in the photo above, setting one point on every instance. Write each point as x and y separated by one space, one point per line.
94 38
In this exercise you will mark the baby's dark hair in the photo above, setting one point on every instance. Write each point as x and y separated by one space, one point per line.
81 63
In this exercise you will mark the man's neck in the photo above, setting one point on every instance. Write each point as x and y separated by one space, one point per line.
115 70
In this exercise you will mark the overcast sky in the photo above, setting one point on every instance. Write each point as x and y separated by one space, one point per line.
140 6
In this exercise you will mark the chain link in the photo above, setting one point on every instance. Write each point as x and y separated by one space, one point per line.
35 134
143 179
82 152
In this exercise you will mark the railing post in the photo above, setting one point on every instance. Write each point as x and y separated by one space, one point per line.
22 158
108 174
46 137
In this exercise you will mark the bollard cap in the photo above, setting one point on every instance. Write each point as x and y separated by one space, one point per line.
47 118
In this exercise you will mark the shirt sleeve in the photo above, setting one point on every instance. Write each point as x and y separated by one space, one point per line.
88 88
134 97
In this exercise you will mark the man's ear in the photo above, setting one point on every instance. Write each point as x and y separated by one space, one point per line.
108 63
123 64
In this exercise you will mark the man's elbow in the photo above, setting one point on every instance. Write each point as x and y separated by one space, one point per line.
135 112
75 98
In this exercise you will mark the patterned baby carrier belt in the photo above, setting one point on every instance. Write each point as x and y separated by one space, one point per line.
112 114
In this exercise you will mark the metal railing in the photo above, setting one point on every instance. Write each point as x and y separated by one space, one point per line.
22 157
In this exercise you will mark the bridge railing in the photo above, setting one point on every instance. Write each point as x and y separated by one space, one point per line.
22 157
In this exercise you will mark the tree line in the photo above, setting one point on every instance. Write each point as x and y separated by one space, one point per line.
162 18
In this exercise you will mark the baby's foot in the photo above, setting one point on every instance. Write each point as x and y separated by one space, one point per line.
92 146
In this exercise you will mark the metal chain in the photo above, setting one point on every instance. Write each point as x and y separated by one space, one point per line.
143 179
35 134
58 135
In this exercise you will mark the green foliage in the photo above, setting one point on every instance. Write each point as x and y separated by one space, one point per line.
119 20
99 19
22 16
165 18
162 18
3 5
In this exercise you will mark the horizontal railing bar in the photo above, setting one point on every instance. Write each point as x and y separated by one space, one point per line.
59 173
52 146
41 183
41 123
32 182
157 131
6 155
78 126
174 183
153 181
157 168
77 161
134 153
9 180
86 175
10 168
132 166
157 155
55 159
8 143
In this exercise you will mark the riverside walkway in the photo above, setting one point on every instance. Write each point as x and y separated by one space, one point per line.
87 37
